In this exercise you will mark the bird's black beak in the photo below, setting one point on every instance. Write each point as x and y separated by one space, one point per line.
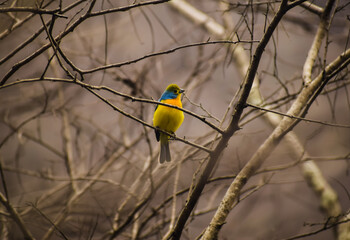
182 90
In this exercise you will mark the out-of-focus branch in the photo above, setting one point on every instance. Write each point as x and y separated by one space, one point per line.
16 217
68 142
283 127
213 27
328 197
316 45
312 174
66 128
69 29
135 189
25 43
173 208
77 195
314 177
198 17
311 7
16 129
299 118
37 140
149 189
19 23
213 230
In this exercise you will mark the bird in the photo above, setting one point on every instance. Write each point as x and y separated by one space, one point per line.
168 119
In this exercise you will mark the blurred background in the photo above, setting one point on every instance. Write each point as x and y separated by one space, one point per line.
74 166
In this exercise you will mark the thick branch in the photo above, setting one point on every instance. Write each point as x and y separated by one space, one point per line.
267 147
233 126
316 45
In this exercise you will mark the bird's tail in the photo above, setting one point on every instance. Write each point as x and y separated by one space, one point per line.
164 149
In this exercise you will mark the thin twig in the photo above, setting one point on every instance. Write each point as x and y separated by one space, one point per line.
299 118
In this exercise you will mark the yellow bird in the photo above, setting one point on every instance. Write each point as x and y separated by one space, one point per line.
168 119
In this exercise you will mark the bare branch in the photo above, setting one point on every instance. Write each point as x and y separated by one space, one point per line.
316 45
266 148
16 217
299 118
54 12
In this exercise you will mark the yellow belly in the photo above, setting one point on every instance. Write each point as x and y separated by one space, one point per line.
168 119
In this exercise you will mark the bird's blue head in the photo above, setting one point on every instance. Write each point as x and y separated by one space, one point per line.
171 92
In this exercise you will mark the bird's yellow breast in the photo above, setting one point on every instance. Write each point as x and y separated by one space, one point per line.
166 118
